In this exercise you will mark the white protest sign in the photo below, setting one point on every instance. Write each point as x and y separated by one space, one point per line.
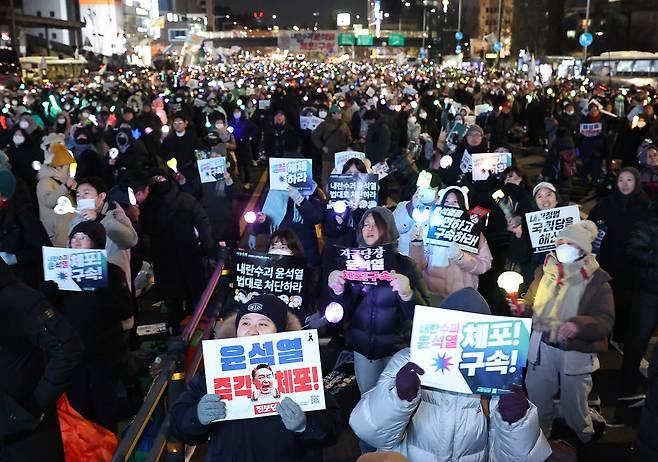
212 169
343 156
544 225
309 122
468 352
75 269
466 165
370 92
381 169
482 109
490 163
264 104
469 120
591 130
254 374
291 172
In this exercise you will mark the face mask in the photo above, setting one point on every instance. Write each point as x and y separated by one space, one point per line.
180 134
236 115
567 253
422 115
569 113
86 204
24 124
322 114
280 251
61 121
412 120
219 126
18 140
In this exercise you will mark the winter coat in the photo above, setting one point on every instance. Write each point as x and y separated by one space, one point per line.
170 219
21 158
96 315
458 274
377 320
561 161
251 440
334 135
280 140
121 235
49 190
22 235
502 124
218 203
596 313
593 145
378 142
642 250
443 426
338 234
38 350
182 148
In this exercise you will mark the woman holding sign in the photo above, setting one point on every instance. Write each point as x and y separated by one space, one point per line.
447 269
376 314
198 416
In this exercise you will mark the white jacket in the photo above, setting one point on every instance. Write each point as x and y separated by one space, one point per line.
441 426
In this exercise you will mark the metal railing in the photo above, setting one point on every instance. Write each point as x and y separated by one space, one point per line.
170 379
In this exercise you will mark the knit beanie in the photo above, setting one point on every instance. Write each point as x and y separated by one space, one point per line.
61 155
475 129
92 229
468 300
581 234
7 183
267 305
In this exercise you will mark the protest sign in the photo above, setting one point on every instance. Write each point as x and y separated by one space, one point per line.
490 163
311 41
309 122
381 169
212 169
482 109
75 269
590 130
291 172
466 165
254 374
451 224
469 120
261 273
360 189
544 225
367 265
343 156
264 104
469 352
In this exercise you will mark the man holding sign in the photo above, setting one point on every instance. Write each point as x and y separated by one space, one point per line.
431 424
198 416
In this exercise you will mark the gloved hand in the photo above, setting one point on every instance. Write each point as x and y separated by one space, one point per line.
407 381
316 321
454 252
513 406
251 241
9 258
210 409
292 415
295 195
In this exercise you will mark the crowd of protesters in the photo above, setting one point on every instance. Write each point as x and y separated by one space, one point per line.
123 150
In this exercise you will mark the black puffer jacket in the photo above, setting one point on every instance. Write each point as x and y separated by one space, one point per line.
642 250
377 320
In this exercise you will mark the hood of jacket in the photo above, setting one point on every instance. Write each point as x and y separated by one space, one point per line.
388 218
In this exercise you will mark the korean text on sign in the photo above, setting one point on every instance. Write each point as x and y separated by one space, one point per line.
367 265
545 225
450 224
75 269
253 374
468 352
361 189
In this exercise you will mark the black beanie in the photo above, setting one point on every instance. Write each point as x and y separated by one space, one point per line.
94 230
267 305
468 300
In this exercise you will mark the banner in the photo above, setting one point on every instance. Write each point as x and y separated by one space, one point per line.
343 156
367 265
261 273
321 41
291 172
360 189
468 352
591 130
254 374
544 225
75 269
466 165
212 169
309 122
450 224
490 163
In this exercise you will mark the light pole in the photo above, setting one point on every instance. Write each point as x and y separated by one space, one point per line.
586 30
500 20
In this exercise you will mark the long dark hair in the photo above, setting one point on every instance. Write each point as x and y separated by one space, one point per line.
289 238
382 227
358 163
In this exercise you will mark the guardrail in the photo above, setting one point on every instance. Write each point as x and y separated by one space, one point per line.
170 379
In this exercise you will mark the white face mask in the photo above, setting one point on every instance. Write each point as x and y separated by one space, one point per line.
412 120
24 124
280 251
322 114
566 253
422 115
86 204
18 140
61 121
219 126
180 134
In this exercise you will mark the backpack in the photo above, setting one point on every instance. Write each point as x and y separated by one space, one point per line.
567 162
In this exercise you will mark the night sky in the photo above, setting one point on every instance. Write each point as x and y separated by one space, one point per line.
298 11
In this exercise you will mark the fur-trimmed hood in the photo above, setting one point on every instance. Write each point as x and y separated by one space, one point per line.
227 328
